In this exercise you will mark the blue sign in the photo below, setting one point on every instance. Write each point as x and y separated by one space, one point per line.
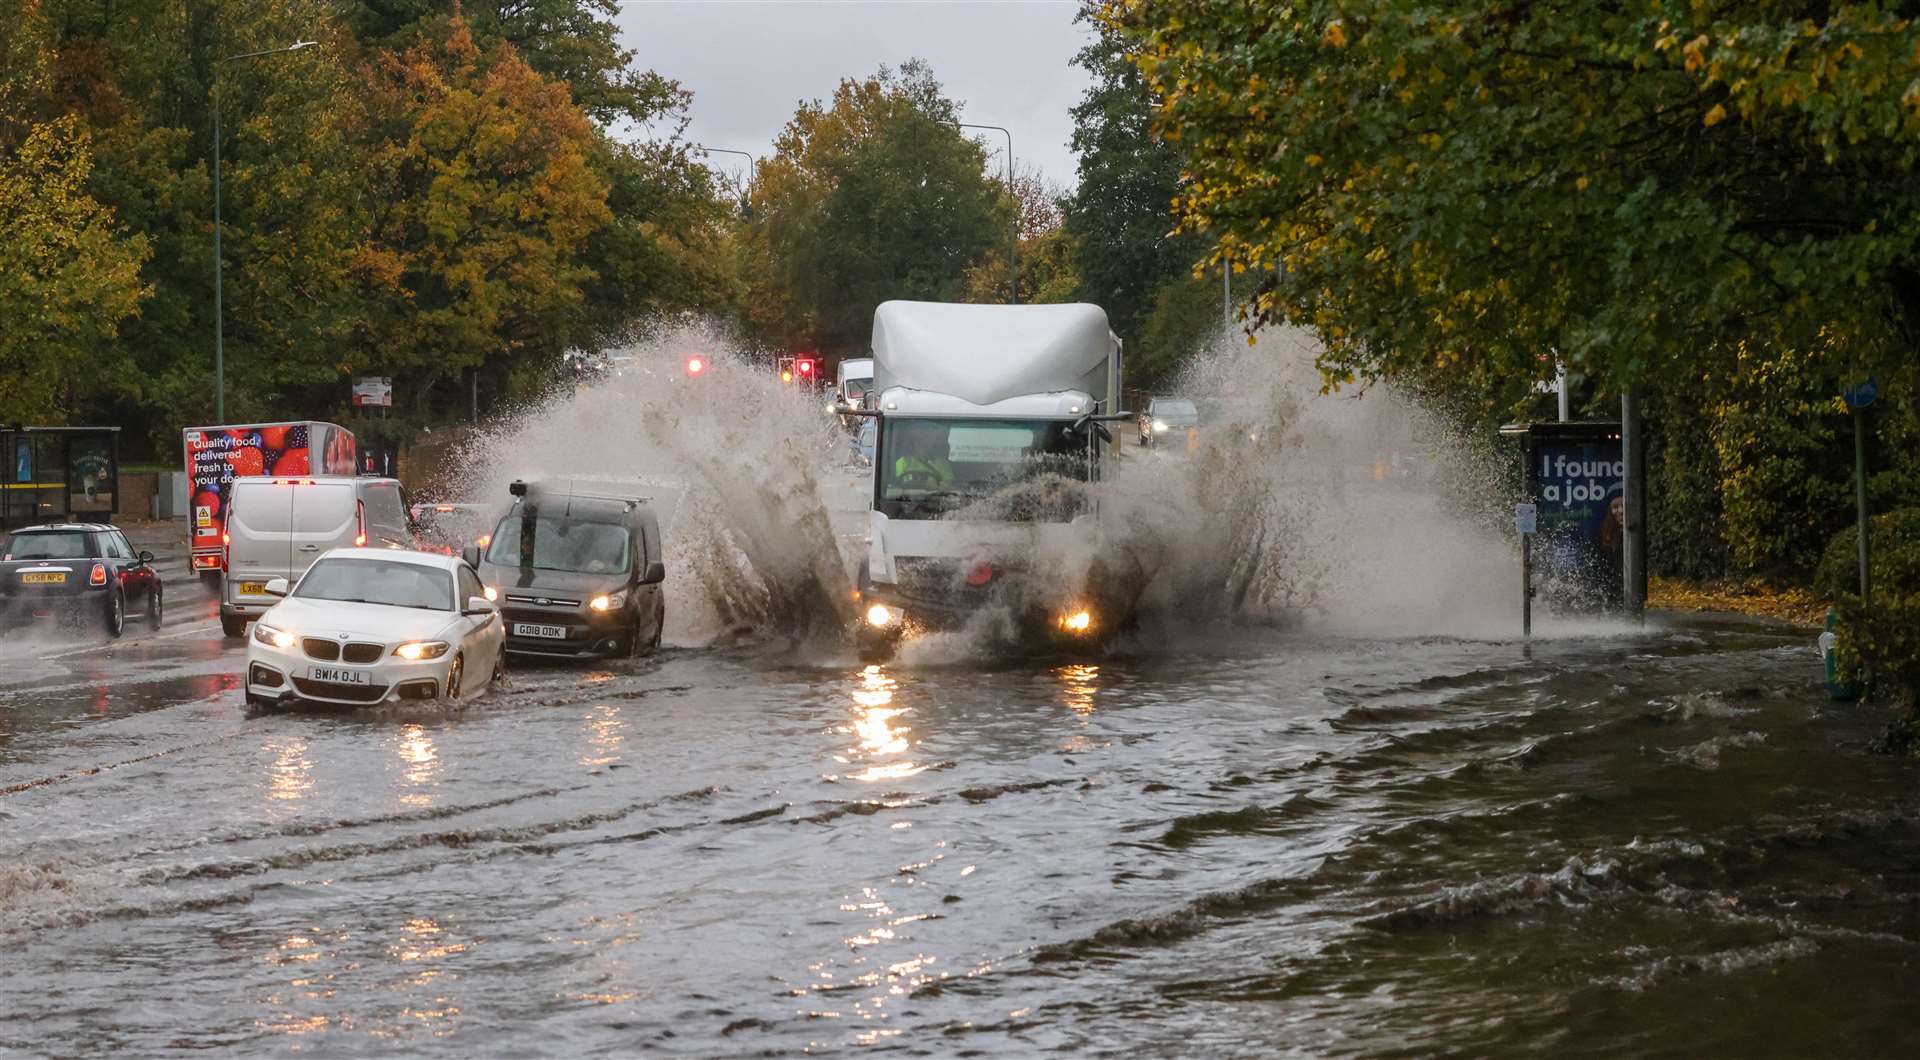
1862 394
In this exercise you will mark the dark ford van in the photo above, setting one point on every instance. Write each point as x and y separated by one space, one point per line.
576 575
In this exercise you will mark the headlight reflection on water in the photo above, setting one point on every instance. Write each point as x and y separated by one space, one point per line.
874 723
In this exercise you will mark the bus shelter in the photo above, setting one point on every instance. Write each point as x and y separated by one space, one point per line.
51 473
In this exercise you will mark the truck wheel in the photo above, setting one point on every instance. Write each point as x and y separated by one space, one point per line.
233 625
116 613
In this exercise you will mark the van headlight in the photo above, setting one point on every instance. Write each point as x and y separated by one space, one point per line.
609 601
880 616
1159 426
278 638
1078 620
416 650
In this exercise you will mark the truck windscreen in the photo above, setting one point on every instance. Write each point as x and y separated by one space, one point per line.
932 466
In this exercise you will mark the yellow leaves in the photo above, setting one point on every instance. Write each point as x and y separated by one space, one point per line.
1582 183
1715 116
1694 52
1314 161
1335 35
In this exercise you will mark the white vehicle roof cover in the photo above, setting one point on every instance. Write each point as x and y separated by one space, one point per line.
988 353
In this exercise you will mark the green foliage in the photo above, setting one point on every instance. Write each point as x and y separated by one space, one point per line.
1183 316
876 196
70 277
1880 640
1120 216
1890 535
388 206
1646 190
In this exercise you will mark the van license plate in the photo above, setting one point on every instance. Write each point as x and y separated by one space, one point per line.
44 578
528 629
253 588
338 675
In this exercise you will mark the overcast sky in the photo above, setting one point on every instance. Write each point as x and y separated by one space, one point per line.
749 63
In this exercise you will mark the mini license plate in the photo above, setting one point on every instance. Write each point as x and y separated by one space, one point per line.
44 578
338 675
529 629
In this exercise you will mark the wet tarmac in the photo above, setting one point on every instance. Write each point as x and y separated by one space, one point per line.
1208 844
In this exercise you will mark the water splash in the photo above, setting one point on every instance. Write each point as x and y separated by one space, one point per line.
731 457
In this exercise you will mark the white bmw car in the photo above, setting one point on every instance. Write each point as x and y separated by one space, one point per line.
366 625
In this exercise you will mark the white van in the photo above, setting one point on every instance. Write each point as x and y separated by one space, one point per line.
277 527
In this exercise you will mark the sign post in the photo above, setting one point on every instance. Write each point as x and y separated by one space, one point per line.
1526 519
1859 397
372 390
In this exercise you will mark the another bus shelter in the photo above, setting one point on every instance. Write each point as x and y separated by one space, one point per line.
49 473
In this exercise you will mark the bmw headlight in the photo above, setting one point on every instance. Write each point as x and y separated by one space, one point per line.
278 638
415 650
490 593
609 601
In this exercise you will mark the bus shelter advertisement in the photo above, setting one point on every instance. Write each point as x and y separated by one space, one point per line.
217 455
1578 485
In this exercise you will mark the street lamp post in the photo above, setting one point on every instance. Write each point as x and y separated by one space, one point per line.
1013 241
730 151
219 334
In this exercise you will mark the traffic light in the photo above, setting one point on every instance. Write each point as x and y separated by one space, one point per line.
804 366
786 375
696 365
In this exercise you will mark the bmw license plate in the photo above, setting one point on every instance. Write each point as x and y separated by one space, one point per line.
44 578
338 675
529 629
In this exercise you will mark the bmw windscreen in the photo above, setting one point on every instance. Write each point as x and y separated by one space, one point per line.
930 467
378 581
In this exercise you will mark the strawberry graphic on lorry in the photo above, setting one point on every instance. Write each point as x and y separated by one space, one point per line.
215 456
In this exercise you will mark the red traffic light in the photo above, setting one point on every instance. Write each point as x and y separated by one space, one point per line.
805 365
696 365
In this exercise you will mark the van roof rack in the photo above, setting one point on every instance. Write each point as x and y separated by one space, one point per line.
520 488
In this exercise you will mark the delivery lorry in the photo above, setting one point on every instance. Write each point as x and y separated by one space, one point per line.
215 456
988 430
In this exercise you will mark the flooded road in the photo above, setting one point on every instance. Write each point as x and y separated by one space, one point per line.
1246 843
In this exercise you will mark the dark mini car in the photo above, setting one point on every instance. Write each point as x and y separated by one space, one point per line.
76 574
576 575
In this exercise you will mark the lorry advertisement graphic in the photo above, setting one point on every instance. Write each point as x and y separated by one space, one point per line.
1577 482
215 456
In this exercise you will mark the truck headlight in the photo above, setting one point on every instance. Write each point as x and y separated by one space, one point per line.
279 638
609 601
415 650
880 616
1078 620
1159 426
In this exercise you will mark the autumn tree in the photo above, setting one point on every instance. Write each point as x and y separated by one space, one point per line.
872 197
1639 190
70 279
481 196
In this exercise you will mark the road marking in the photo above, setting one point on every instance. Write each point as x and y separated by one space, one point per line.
160 636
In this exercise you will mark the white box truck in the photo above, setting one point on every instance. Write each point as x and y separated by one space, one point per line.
988 428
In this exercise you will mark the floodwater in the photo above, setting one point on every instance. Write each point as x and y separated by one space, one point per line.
1663 842
1321 803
